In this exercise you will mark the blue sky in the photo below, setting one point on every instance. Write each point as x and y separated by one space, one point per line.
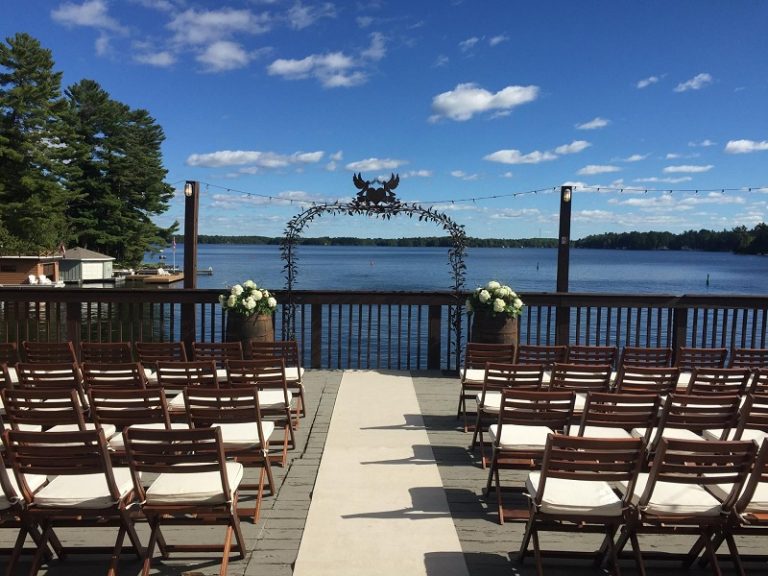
655 110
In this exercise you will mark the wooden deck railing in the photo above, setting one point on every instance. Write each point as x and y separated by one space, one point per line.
383 330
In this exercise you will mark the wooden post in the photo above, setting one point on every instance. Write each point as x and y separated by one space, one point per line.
191 205
562 335
316 335
434 337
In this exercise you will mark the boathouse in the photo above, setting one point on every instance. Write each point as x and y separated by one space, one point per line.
15 270
81 266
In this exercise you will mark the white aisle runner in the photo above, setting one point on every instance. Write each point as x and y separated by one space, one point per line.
378 505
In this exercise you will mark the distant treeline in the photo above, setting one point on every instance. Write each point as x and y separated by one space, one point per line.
430 241
738 240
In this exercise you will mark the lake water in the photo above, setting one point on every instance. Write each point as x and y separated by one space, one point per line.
525 269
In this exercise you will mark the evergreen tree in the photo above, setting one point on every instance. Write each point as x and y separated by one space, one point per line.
36 166
121 175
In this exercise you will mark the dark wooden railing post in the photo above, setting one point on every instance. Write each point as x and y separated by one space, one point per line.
679 329
563 318
191 207
434 340
316 336
74 324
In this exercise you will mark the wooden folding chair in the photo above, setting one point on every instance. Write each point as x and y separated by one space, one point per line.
574 492
689 358
519 437
58 376
288 350
177 376
120 376
85 491
499 377
675 496
49 352
106 352
687 416
275 399
219 352
759 383
13 514
591 354
752 422
9 353
615 415
150 353
476 356
130 407
544 354
245 434
719 381
659 380
645 356
581 378
752 358
195 486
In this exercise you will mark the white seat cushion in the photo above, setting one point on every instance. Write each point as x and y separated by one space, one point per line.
273 398
492 401
34 481
83 490
109 429
241 435
672 433
474 375
176 404
520 437
749 434
293 374
118 443
604 432
193 487
575 497
670 498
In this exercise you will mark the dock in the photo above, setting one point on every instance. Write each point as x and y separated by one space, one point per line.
163 278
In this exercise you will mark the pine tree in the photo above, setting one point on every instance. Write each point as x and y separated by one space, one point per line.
121 175
36 166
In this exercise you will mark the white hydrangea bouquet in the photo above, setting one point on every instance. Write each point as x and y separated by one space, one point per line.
248 299
495 298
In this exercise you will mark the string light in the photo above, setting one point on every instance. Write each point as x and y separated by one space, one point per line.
548 190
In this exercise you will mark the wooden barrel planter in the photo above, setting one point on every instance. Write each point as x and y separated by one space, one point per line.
488 328
257 327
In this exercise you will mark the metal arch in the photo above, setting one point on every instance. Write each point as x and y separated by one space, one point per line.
377 202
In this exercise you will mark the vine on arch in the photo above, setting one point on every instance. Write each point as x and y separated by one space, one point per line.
376 202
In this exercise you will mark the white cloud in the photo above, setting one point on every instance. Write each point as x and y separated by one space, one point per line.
374 164
573 148
224 55
517 157
745 146
161 59
206 26
301 16
706 143
259 159
418 174
496 40
645 82
687 169
593 169
593 124
635 158
333 70
696 83
377 49
91 14
468 99
468 44
440 61
653 179
364 21
461 175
